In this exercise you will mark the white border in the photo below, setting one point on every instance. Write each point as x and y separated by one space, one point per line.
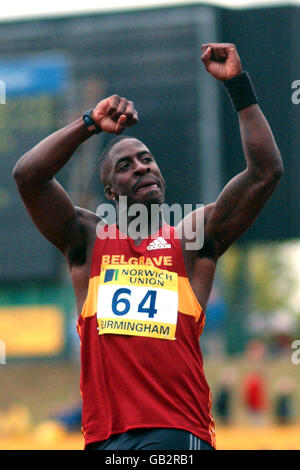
18 10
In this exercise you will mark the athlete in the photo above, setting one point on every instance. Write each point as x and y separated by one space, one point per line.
141 302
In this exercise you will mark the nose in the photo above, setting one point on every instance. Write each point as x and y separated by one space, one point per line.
140 168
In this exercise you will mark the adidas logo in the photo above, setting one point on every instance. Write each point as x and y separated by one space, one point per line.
158 244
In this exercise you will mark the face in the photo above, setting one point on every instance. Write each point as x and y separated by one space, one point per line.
134 173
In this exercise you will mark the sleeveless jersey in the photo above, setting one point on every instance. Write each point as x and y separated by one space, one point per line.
141 363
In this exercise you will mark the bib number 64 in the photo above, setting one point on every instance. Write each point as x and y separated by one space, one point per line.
121 304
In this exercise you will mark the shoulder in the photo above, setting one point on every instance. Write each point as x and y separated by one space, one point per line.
194 235
87 223
208 209
199 249
195 221
86 219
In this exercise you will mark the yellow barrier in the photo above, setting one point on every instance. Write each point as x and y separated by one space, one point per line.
264 438
51 436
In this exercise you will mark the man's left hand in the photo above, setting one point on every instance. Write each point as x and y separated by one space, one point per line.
221 60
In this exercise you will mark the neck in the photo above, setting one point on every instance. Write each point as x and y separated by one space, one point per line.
140 221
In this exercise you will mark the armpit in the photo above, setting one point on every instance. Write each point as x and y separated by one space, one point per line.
77 254
209 249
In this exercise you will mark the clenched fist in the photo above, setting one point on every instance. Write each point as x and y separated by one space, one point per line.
221 60
114 114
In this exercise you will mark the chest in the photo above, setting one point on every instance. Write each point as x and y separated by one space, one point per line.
142 287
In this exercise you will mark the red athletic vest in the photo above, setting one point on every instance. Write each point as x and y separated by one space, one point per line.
139 327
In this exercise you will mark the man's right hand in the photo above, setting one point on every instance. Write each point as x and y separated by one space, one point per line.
115 114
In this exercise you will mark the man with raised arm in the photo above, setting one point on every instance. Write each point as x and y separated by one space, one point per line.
141 302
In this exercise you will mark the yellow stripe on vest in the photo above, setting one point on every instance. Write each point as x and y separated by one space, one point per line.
187 302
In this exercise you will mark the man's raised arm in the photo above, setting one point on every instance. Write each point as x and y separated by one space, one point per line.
48 204
245 195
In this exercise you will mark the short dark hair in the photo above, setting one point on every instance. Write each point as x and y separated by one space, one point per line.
103 157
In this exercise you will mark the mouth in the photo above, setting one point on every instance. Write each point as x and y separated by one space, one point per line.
147 185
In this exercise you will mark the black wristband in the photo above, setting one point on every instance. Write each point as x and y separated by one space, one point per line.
241 91
90 123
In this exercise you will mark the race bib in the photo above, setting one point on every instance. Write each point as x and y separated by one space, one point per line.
137 301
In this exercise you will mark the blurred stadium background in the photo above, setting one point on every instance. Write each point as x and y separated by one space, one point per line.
54 67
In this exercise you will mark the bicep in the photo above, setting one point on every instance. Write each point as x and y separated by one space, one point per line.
237 207
52 211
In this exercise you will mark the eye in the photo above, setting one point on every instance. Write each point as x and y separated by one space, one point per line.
123 167
147 160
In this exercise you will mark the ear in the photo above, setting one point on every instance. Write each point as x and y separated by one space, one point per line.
110 193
